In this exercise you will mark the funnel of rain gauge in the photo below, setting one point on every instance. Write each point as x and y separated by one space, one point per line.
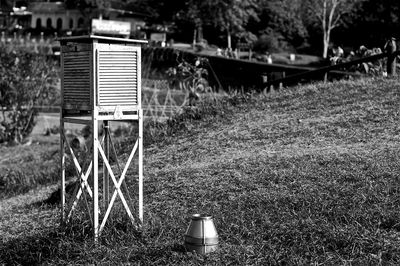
201 235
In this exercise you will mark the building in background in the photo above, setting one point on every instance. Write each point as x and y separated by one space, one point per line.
53 18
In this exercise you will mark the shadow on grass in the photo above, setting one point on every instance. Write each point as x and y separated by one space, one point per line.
33 250
53 247
167 254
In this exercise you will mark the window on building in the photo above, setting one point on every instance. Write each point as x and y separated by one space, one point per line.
59 23
80 22
38 23
48 23
71 23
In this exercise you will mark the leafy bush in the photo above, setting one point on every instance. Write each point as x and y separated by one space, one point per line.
27 79
270 41
190 77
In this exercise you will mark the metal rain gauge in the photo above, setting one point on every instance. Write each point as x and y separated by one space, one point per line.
101 82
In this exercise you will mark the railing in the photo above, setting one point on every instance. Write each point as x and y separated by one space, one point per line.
39 45
321 73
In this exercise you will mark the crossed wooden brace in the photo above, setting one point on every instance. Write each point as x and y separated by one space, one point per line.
83 179
84 184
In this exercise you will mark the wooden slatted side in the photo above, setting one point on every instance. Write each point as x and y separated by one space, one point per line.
76 78
117 77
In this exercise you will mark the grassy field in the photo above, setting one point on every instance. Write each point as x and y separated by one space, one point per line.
307 175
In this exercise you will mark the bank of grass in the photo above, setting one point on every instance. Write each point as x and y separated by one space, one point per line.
307 175
25 167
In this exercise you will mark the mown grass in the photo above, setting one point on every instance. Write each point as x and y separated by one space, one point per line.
307 175
24 167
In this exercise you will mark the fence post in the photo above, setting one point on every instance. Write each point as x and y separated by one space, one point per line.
281 83
390 48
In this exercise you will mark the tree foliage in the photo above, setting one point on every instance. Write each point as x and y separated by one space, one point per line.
381 18
281 24
229 16
290 24
160 12
26 80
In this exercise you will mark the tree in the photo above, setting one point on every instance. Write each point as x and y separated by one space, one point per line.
281 22
380 17
329 15
104 7
26 80
6 5
157 11
228 15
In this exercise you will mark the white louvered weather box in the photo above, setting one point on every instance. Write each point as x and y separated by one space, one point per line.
101 82
101 72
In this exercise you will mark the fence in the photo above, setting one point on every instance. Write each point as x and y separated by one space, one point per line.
159 102
240 74
321 73
39 45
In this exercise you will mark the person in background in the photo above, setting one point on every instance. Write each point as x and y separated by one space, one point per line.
390 47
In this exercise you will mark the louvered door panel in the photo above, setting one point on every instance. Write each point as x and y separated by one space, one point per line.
76 79
117 76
